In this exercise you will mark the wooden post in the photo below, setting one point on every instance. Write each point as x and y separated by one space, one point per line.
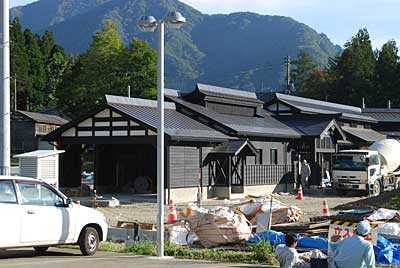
270 214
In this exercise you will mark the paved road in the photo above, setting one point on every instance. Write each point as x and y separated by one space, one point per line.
67 258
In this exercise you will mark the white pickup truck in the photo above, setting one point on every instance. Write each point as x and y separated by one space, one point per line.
34 214
373 171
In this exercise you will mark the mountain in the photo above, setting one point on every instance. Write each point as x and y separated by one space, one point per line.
238 50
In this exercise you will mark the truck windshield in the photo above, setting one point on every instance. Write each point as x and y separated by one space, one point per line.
350 162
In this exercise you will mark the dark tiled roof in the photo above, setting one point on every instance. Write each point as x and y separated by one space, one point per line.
177 125
234 147
383 114
265 126
44 118
307 125
367 135
323 107
222 92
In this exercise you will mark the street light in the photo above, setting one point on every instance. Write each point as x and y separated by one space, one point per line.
150 24
4 88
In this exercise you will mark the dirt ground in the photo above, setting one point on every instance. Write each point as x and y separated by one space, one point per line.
311 205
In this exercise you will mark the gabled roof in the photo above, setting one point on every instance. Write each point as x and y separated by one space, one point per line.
223 95
311 125
39 154
311 106
235 148
177 125
43 118
367 135
383 114
262 126
231 148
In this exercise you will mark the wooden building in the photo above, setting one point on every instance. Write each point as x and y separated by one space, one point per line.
388 121
27 129
325 128
218 140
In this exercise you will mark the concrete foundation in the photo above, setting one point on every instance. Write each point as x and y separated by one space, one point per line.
190 194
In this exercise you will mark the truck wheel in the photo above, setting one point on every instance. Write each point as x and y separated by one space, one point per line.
40 250
376 188
89 241
341 192
397 183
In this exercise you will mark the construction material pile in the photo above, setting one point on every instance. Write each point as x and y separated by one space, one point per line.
222 226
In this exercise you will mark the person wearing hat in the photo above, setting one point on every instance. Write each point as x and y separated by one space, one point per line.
355 251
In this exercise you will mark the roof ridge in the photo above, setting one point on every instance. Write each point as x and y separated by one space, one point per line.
319 102
137 102
227 91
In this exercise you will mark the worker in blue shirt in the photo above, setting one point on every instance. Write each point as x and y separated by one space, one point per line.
355 251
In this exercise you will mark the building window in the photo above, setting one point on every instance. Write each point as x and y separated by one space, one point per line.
274 156
260 156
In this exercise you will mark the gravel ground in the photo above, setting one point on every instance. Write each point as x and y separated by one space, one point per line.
311 205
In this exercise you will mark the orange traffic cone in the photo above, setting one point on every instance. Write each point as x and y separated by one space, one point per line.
172 213
325 209
300 193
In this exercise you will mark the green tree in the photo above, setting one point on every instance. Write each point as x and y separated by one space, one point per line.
56 65
387 71
302 67
107 68
47 44
37 72
355 72
19 64
140 66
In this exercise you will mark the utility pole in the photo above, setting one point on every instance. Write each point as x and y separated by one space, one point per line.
5 89
288 73
15 92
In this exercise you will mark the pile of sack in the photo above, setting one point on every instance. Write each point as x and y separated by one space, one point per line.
222 226
257 212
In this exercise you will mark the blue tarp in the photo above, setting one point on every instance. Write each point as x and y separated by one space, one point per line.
276 238
387 252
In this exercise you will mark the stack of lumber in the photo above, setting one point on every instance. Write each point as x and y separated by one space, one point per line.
317 228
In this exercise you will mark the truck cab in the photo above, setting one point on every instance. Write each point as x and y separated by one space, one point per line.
357 170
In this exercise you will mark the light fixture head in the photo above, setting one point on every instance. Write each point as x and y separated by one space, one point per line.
147 24
175 19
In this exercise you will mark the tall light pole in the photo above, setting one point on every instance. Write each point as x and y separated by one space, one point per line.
5 89
150 24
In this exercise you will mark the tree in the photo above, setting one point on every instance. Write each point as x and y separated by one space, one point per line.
140 65
37 74
56 65
19 64
47 44
107 68
387 74
302 67
355 71
316 84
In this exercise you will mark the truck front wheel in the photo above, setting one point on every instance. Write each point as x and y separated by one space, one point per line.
397 183
376 188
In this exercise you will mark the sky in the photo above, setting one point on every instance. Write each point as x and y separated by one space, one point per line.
338 19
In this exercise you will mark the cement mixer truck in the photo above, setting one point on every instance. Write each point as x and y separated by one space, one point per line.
373 171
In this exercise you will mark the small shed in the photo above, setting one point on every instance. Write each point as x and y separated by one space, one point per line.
40 164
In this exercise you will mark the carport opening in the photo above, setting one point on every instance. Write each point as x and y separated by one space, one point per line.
126 168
